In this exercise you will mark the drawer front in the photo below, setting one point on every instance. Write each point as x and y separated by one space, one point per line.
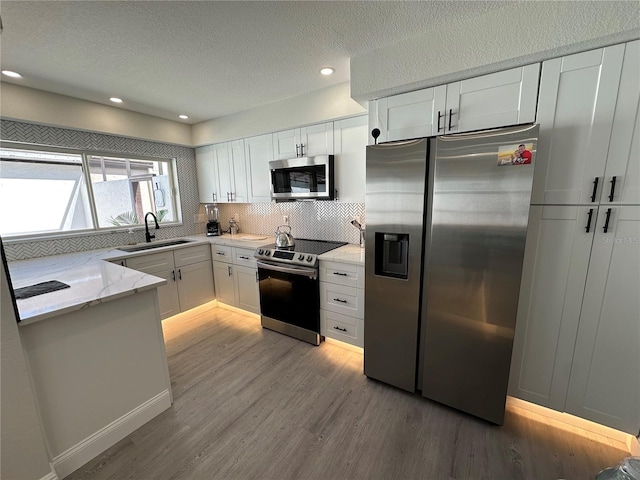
153 262
221 253
340 299
342 327
244 257
342 274
191 255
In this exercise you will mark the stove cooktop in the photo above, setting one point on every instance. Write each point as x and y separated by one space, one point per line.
304 252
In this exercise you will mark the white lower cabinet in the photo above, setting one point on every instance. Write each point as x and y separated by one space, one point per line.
187 272
236 277
576 346
342 302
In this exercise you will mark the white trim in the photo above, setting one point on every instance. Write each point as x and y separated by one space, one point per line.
577 422
51 475
92 446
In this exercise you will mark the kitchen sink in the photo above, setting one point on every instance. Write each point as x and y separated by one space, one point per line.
150 246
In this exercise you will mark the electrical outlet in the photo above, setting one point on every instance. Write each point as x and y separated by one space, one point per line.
285 219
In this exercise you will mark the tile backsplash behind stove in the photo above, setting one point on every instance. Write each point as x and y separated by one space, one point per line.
318 220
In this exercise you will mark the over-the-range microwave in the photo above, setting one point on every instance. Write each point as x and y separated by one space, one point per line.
302 178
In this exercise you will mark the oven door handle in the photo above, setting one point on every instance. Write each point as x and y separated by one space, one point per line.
303 271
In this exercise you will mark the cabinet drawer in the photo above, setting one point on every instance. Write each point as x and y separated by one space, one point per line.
221 253
342 274
151 263
342 327
191 255
244 257
341 299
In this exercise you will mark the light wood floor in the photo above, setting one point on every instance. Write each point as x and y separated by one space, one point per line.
253 404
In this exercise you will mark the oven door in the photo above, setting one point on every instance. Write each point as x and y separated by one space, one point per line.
290 300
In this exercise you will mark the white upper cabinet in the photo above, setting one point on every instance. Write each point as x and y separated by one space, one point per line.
495 100
575 112
605 375
258 154
350 140
206 173
231 171
303 142
623 160
410 115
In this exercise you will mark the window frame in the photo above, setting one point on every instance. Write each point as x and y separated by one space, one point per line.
172 174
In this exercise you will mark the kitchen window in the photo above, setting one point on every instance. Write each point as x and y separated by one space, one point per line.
52 191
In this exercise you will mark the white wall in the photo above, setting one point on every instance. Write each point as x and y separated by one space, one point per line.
37 106
24 455
315 107
516 34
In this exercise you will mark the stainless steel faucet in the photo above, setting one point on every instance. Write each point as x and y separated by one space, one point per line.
148 235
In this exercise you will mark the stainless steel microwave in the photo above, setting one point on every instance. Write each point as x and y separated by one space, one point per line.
302 178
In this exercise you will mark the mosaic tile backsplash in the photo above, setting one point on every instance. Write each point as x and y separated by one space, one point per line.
321 220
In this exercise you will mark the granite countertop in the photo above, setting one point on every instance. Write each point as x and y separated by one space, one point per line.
93 279
350 253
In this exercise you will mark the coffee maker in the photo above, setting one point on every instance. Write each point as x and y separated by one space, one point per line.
213 225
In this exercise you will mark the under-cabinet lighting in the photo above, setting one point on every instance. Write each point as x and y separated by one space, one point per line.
11 74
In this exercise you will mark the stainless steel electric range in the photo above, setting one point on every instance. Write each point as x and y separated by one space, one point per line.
289 288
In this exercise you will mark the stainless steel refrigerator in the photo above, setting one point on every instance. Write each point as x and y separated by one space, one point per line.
446 227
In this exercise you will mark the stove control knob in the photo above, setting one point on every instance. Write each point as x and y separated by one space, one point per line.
301 257
309 258
267 252
260 252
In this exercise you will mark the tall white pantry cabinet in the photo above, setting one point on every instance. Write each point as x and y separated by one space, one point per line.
577 339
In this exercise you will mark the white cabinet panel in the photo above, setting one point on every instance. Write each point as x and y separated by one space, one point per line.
341 299
346 274
258 154
575 112
553 279
317 139
623 160
189 255
224 282
342 327
286 144
207 177
605 377
195 284
246 284
168 297
350 141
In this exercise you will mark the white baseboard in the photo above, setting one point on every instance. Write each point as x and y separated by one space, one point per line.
92 446
51 475
565 418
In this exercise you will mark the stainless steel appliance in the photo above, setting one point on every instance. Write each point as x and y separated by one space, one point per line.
213 225
289 288
302 178
447 218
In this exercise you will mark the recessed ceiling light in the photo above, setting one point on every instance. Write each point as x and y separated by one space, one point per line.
116 100
11 74
327 70
183 117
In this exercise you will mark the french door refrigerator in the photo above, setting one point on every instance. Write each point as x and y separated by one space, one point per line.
446 227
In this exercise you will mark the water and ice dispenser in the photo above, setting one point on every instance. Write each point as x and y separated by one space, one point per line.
392 255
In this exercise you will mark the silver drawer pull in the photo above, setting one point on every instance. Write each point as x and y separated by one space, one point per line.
340 273
339 300
341 329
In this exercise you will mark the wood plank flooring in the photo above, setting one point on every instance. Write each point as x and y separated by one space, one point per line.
253 404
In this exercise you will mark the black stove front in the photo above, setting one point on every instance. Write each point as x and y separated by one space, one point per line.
289 288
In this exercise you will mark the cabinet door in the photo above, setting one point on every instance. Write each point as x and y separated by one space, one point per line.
223 276
207 179
495 100
258 154
168 298
317 139
284 144
246 284
553 279
605 376
195 284
623 161
412 115
224 171
239 183
575 112
350 142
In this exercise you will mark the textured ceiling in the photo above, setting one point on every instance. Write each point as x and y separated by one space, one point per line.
203 58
